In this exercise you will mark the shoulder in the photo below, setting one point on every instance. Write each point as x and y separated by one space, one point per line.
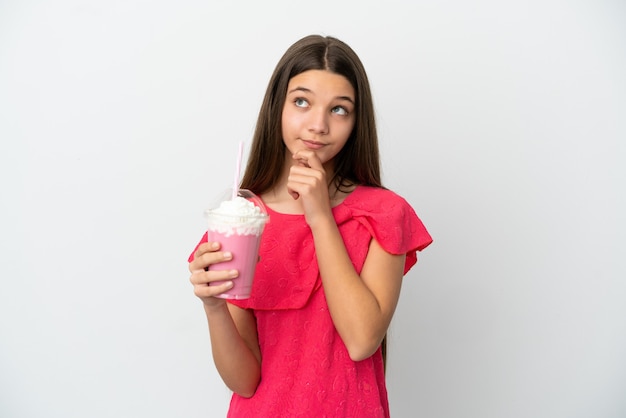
376 199
377 191
388 217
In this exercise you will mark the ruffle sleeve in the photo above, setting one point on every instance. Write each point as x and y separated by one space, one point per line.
389 219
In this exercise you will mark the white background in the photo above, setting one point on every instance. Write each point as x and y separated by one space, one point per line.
503 123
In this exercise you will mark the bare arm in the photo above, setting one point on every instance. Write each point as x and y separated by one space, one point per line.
232 330
361 306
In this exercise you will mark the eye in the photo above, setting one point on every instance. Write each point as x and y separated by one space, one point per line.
340 110
300 102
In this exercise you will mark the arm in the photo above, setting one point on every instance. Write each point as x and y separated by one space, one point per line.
235 347
232 330
361 306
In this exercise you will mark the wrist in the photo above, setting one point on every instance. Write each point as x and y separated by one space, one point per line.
215 306
322 224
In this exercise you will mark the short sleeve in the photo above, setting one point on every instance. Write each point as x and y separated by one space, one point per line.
391 221
202 241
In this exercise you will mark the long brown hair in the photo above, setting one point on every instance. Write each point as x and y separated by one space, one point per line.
358 162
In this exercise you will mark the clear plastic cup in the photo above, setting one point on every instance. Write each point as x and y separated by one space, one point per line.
239 233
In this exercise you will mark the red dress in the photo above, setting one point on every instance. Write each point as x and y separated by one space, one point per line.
305 369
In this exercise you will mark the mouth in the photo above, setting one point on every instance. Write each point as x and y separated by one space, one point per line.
310 144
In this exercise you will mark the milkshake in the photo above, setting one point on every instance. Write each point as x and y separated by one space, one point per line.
237 224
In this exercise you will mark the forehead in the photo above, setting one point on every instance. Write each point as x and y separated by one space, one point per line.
322 82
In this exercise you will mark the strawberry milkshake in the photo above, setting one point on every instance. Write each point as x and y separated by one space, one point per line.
237 224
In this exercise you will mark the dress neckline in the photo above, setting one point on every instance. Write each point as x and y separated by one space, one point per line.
334 208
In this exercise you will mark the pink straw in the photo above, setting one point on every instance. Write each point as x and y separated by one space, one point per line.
237 171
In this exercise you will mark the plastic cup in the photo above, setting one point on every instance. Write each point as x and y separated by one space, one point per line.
241 235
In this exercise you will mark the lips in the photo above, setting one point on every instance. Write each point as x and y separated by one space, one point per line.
313 144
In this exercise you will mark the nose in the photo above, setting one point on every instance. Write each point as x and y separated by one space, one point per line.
318 121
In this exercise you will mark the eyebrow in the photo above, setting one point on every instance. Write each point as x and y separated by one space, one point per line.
306 90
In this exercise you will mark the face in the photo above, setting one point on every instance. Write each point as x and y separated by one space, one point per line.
318 114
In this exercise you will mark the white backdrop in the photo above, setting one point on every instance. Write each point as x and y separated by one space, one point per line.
503 123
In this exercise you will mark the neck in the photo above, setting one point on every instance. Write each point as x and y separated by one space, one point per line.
279 199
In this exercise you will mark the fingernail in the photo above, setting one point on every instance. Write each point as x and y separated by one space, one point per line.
233 273
228 255
214 245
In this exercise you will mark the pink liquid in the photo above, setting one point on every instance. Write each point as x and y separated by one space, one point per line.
245 250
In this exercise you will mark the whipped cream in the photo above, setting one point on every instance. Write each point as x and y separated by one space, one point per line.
238 216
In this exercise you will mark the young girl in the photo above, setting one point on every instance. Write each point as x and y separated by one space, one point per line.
308 342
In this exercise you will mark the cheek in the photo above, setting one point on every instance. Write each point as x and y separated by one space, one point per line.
347 130
289 120
285 125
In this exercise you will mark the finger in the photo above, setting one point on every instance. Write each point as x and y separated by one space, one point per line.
309 159
301 179
213 290
308 175
203 260
204 248
222 287
295 195
204 278
302 161
295 187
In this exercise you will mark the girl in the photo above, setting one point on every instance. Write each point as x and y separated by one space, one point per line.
308 342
